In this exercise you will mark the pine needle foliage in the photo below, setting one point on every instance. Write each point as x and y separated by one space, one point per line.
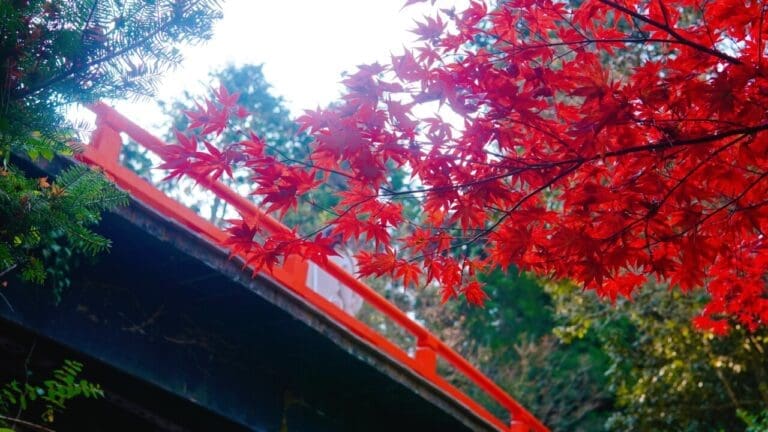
54 54
36 214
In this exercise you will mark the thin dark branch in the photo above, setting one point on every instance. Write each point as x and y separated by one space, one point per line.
672 32
719 209
751 130
523 200
7 303
7 270
759 52
647 216
595 41
27 359
509 212
88 21
27 424
450 187
661 145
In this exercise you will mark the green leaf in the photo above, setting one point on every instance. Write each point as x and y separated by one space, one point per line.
47 153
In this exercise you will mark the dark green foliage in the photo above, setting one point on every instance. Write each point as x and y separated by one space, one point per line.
563 383
46 397
755 422
54 53
579 363
40 220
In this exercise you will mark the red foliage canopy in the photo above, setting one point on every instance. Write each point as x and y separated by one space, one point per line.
604 141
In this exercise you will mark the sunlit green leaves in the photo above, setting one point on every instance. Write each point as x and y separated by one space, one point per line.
48 396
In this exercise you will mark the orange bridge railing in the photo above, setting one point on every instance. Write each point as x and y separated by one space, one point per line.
104 152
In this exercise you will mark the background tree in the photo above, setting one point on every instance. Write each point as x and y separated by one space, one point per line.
512 340
579 363
665 375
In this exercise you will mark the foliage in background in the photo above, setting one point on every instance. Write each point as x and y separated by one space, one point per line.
511 340
755 422
664 374
580 364
46 398
55 53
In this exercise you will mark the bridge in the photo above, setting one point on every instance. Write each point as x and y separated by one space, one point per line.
182 337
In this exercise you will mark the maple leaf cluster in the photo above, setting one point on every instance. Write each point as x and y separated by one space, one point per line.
601 141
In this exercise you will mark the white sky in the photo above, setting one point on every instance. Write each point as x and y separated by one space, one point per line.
305 46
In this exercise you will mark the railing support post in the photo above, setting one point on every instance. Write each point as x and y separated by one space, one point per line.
106 144
295 271
426 357
516 426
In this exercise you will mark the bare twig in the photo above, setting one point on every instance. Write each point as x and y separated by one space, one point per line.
30 425
7 270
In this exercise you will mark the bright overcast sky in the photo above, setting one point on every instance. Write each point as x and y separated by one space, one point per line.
305 46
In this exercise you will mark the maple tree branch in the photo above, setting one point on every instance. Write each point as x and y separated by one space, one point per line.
751 206
307 164
700 10
588 41
751 130
314 204
657 206
339 216
672 32
508 213
759 52
310 165
717 210
654 122
745 131
449 187
530 195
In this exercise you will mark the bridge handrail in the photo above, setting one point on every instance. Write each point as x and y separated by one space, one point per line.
104 152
